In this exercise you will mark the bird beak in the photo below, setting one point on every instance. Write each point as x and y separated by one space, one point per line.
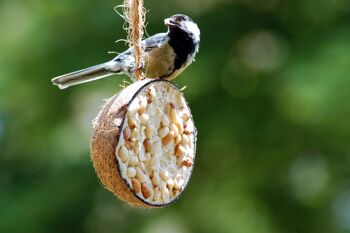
169 22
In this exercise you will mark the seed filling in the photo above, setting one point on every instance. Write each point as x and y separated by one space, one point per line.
156 149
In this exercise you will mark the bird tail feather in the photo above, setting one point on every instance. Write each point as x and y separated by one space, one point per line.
82 76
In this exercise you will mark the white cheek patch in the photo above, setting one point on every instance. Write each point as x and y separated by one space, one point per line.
193 28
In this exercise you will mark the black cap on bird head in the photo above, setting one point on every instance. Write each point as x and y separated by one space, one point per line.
177 20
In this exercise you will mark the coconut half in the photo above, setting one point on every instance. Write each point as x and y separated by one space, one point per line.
144 142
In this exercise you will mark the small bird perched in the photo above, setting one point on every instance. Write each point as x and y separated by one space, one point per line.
165 55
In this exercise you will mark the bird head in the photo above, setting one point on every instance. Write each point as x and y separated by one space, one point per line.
184 23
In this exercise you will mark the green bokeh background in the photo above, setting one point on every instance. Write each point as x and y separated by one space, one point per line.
270 95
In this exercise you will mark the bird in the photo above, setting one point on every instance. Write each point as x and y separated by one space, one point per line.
165 56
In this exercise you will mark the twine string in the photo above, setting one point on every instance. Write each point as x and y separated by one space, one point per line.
134 15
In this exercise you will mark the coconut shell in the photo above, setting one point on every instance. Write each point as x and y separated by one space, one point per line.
106 133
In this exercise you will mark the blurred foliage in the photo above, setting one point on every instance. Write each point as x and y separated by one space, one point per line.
269 92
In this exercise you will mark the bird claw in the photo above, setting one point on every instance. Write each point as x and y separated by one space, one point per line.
138 72
140 67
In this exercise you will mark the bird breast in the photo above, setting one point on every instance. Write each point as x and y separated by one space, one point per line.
159 62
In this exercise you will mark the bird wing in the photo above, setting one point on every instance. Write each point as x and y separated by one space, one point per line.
154 41
148 44
156 57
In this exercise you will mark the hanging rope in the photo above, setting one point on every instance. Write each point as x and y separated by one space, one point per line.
134 15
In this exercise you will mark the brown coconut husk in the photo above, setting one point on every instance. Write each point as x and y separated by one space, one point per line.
104 141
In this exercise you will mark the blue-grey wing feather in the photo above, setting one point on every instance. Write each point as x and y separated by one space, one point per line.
154 41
